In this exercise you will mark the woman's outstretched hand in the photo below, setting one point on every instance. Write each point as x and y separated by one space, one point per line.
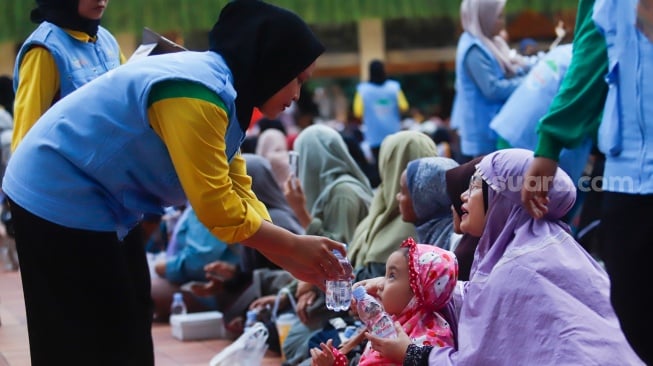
308 258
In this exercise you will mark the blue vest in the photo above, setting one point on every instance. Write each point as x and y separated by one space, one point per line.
95 152
381 115
77 62
472 112
626 131
517 120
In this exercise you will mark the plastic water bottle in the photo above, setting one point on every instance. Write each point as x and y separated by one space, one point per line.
371 312
338 292
178 306
251 319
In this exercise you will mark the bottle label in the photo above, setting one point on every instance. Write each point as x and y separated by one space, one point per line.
384 328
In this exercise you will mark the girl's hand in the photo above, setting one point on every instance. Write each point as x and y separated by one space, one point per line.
323 356
394 349
371 285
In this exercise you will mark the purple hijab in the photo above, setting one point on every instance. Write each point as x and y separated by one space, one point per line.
535 296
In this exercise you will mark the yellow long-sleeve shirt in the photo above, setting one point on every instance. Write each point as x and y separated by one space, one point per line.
358 104
192 122
38 87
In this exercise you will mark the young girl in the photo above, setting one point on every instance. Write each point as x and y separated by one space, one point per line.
418 283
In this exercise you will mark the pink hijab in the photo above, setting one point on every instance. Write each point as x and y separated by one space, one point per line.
478 19
433 275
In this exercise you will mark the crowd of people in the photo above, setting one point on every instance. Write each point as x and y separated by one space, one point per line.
173 173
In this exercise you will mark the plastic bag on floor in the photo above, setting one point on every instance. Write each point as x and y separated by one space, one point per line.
249 349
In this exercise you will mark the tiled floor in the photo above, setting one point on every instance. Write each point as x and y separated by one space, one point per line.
14 346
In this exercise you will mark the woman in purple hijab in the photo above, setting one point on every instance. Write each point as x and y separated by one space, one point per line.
535 297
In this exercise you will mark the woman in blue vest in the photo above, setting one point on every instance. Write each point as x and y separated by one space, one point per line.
68 49
152 133
486 75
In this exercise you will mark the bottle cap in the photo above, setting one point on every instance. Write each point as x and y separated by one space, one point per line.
359 293
178 296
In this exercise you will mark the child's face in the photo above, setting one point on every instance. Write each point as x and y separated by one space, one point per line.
395 292
92 9
282 99
405 202
473 219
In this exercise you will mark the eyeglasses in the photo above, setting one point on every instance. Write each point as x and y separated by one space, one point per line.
475 182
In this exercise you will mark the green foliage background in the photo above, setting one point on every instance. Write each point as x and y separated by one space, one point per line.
188 15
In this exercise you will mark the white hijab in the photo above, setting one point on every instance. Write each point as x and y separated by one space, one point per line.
478 18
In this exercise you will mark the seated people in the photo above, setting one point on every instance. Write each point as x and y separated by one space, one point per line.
535 296
378 235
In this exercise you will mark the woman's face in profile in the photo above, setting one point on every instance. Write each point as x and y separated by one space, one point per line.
405 201
283 98
473 219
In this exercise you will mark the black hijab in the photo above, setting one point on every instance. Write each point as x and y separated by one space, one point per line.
265 47
377 72
65 14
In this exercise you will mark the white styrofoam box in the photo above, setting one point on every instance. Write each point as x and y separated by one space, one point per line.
195 326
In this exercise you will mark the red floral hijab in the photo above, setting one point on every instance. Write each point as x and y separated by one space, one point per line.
433 275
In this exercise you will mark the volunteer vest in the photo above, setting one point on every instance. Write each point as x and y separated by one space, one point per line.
381 115
626 130
77 62
99 153
472 112
517 120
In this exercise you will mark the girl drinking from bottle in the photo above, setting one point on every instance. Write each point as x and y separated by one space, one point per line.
418 283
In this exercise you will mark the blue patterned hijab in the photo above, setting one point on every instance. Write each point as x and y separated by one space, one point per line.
427 186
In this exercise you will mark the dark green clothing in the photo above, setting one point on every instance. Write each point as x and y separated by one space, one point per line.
576 110
503 143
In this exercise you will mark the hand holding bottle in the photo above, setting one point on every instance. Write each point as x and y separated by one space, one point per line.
371 312
392 348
